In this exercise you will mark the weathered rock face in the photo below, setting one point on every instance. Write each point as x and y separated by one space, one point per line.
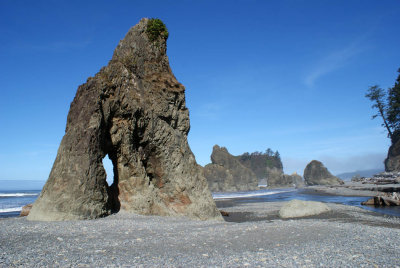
134 111
226 173
279 179
268 167
316 173
261 163
25 210
392 162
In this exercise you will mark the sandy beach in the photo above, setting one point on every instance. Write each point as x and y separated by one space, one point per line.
253 236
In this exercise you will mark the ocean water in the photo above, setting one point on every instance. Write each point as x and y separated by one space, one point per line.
275 195
12 201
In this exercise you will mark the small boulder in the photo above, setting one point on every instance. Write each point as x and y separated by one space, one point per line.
299 208
25 210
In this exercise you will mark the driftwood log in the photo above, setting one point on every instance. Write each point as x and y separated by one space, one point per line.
387 199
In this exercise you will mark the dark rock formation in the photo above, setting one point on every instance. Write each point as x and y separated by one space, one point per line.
269 167
384 199
134 111
226 173
316 173
392 162
261 163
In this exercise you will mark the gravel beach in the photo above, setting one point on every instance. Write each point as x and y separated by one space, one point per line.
254 236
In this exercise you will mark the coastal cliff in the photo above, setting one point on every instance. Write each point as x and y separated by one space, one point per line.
268 167
227 174
132 111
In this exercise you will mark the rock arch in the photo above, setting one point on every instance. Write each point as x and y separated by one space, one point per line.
134 111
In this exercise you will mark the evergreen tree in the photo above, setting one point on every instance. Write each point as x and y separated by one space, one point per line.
377 95
269 152
393 110
277 155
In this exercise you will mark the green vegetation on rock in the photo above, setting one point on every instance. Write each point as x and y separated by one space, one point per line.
260 163
155 29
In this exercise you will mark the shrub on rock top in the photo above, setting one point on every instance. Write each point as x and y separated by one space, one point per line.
155 29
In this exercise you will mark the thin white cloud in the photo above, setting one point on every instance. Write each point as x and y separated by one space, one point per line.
333 61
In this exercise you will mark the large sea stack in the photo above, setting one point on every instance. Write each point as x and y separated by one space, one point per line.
133 111
316 173
268 167
227 174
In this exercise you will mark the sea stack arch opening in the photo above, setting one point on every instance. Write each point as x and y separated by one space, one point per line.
109 168
112 179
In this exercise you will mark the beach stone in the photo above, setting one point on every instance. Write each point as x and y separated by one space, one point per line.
299 208
316 173
227 174
134 112
25 210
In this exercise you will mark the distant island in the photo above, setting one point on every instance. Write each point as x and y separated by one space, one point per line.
244 172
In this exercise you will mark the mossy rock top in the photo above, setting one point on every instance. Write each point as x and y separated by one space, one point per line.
155 29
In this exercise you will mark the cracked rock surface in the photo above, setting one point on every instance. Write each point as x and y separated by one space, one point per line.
227 174
133 111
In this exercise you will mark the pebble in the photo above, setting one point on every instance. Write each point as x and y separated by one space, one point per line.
126 240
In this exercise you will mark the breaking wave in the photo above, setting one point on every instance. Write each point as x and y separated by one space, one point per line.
4 210
249 194
17 194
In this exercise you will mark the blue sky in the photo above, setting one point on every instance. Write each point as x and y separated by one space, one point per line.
289 75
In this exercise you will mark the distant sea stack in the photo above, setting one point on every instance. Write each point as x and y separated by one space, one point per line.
316 173
392 162
132 111
227 174
268 167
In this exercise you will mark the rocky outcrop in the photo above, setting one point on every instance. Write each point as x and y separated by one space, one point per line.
134 111
262 163
279 179
384 199
300 208
297 180
226 173
268 166
392 161
25 210
316 173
